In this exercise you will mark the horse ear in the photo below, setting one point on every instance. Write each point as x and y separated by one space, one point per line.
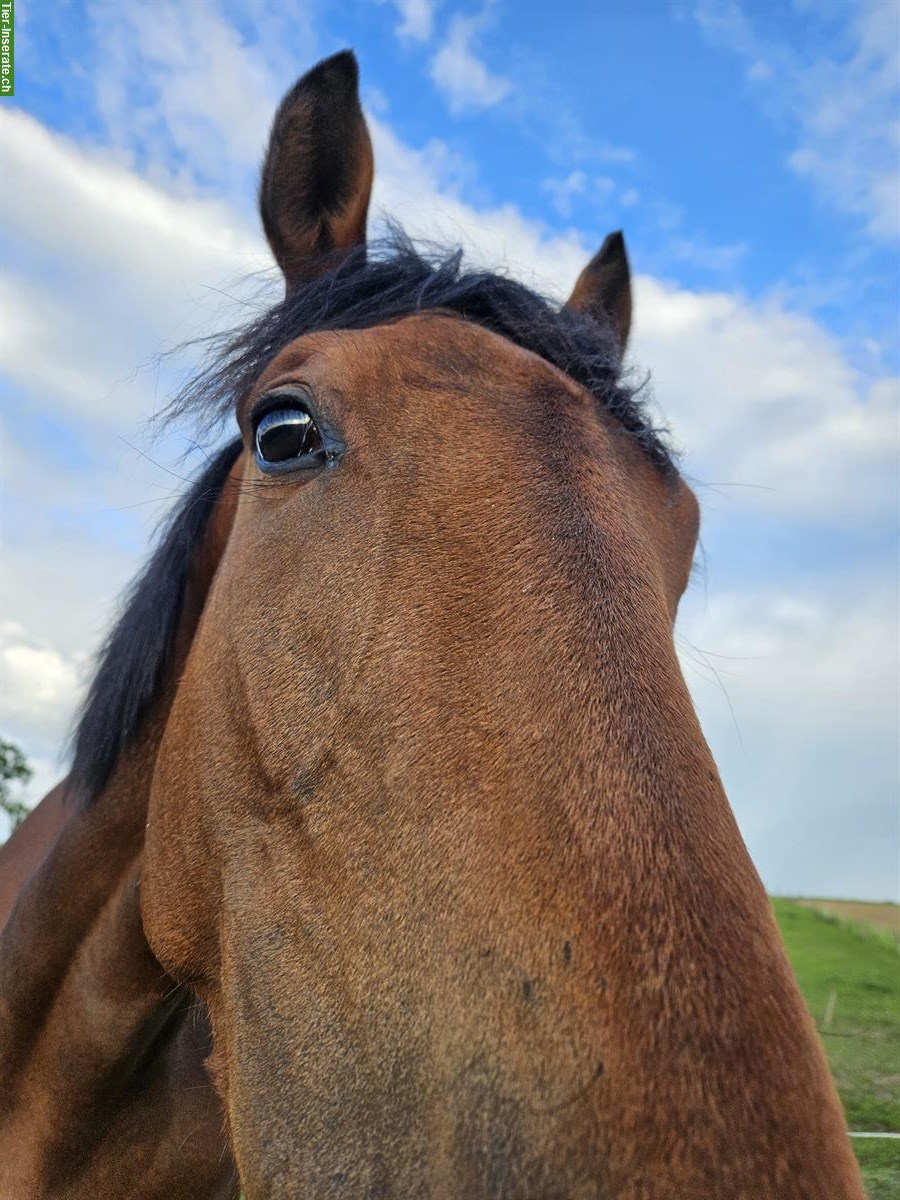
603 288
317 176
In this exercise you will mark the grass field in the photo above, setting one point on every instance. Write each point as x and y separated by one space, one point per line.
884 917
847 963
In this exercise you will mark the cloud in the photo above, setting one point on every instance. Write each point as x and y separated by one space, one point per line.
419 188
146 256
104 202
599 191
797 693
843 105
46 347
461 75
38 684
562 191
850 112
186 97
766 397
759 70
416 18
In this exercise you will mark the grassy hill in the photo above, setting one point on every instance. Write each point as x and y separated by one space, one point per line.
848 966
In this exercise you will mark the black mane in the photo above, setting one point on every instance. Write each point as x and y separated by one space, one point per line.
394 279
132 661
364 289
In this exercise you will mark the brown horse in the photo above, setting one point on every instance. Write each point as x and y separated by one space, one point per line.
393 738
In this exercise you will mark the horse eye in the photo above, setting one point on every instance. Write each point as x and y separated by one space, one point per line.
288 436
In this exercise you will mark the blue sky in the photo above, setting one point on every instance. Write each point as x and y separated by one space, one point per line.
750 153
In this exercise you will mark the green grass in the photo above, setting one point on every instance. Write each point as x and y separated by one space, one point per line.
850 977
880 1162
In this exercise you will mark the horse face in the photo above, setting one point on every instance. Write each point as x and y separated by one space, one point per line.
433 830
381 769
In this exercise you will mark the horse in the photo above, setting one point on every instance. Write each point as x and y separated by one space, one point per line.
389 775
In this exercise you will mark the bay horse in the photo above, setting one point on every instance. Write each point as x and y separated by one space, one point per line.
389 812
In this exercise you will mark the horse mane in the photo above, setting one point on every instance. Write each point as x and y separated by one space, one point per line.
369 286
133 659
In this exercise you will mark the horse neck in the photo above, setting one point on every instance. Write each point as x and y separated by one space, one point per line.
28 845
86 882
102 1059
98 1044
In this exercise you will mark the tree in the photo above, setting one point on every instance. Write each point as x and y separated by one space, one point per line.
13 768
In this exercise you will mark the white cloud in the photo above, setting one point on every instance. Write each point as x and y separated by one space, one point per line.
179 84
562 191
419 188
763 396
844 105
416 18
797 692
606 152
38 684
461 75
149 260
805 650
47 348
759 71
851 142
75 201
